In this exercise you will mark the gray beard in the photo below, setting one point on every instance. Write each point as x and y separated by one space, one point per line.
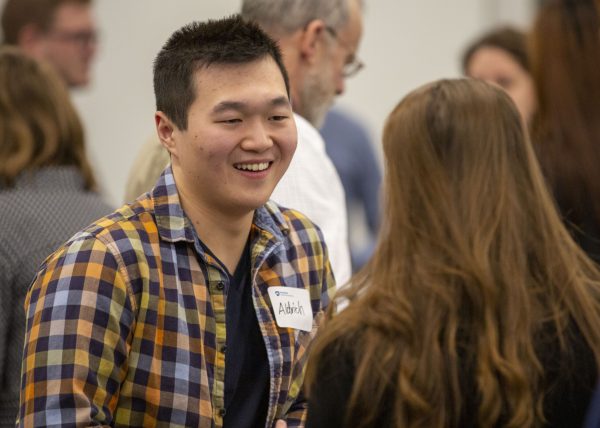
315 100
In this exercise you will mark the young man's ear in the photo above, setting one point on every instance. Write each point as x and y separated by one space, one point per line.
311 40
165 129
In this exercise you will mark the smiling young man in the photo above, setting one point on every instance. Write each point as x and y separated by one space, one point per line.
168 312
319 40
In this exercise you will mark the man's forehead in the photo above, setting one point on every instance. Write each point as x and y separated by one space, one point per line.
241 86
72 14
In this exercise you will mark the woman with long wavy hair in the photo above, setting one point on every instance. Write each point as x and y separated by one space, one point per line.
477 308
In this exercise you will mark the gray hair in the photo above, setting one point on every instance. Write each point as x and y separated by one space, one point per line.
288 16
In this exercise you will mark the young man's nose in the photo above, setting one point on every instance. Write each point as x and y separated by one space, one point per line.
258 139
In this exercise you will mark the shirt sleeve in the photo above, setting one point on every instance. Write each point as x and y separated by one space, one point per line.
79 320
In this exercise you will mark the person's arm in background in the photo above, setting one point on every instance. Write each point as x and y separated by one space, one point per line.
369 186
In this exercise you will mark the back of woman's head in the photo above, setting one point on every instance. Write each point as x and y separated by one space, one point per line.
473 261
39 126
565 60
459 169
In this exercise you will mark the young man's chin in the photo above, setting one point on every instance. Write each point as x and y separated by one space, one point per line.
259 203
245 206
254 200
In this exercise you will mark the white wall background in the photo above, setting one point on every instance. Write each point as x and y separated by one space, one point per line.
517 12
406 43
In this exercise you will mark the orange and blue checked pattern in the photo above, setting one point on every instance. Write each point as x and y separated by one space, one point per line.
126 321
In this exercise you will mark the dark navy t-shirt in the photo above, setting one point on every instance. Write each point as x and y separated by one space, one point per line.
247 375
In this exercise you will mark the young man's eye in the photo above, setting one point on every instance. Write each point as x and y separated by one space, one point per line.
278 118
230 121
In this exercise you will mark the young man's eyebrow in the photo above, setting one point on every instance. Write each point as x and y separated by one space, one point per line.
280 101
239 106
228 105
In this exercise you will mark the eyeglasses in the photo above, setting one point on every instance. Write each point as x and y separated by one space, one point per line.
355 64
80 38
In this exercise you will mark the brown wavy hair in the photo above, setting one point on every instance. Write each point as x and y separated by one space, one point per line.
473 263
565 64
38 124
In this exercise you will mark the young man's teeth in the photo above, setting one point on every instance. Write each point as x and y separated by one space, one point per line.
253 166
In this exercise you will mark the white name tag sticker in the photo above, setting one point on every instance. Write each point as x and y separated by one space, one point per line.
292 307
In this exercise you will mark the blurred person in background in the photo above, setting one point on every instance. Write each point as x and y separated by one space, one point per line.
61 32
46 195
349 145
565 63
500 57
477 308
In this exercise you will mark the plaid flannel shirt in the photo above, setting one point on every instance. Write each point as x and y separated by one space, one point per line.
126 321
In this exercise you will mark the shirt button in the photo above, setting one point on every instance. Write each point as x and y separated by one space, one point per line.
222 412
220 285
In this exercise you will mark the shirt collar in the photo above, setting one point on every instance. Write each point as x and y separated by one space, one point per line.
171 221
269 218
173 225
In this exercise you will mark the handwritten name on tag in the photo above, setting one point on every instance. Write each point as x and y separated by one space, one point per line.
291 307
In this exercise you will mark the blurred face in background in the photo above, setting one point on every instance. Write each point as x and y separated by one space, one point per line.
338 61
497 66
69 45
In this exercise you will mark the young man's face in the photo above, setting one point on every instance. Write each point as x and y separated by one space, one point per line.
70 44
240 137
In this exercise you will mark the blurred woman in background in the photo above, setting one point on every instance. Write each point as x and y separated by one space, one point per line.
477 308
500 57
565 60
46 195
